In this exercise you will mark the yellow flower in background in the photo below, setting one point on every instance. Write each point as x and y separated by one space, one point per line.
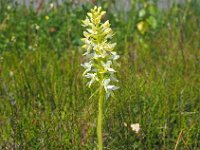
142 27
46 17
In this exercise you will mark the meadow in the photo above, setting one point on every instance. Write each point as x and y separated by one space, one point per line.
44 101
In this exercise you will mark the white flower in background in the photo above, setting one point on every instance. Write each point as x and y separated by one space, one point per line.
30 47
99 51
135 127
125 124
11 73
13 39
51 5
9 7
1 58
37 27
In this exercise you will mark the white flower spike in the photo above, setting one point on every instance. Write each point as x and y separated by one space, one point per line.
99 51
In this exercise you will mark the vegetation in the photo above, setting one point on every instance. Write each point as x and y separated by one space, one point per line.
44 103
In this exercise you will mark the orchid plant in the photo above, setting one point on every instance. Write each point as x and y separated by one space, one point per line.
100 55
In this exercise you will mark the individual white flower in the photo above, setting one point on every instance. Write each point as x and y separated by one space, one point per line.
110 46
93 77
105 25
115 56
92 31
87 66
107 65
86 41
107 31
109 36
105 83
86 22
86 34
96 56
112 87
88 50
113 78
109 88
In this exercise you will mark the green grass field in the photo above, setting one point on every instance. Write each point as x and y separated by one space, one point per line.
44 101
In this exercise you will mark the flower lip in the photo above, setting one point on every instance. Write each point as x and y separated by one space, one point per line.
112 87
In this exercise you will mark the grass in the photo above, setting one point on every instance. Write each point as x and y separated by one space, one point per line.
44 102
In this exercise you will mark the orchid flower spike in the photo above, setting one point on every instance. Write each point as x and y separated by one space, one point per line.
99 51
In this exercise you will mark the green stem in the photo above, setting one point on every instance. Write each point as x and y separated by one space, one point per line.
100 118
